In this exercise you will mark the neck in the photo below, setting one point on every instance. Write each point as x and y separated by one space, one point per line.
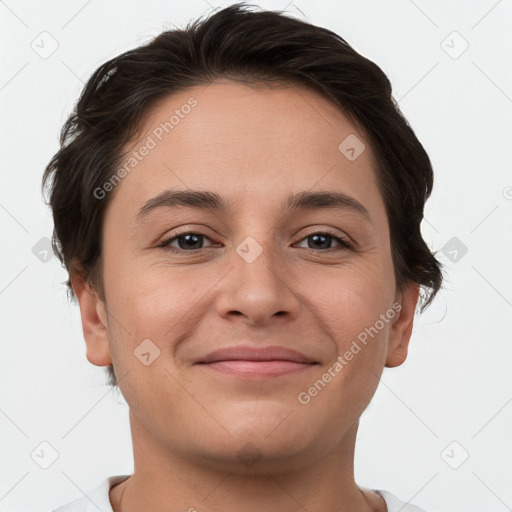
164 481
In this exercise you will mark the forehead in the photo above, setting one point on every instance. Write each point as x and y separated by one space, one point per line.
234 138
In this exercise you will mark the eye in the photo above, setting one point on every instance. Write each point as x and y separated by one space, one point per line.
192 242
187 242
322 239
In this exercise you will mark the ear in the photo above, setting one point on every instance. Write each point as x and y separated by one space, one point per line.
401 328
94 318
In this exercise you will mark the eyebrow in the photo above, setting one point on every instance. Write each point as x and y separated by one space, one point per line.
211 201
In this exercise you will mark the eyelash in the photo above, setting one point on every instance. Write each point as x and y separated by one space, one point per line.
344 242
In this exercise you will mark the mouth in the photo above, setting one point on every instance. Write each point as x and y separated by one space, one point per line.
246 361
241 368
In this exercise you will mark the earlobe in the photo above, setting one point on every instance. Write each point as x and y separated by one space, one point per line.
401 329
94 319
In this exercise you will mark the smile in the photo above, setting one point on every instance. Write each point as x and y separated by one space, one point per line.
258 369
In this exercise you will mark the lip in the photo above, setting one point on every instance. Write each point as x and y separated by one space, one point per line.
261 362
248 353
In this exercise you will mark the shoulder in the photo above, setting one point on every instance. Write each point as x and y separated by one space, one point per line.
394 504
94 499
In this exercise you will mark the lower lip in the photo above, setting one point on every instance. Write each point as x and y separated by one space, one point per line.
257 368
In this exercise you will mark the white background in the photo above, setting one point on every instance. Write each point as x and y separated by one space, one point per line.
456 384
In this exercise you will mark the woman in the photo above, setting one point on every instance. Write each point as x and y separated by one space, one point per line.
238 205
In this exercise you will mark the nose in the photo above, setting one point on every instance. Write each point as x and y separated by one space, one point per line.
258 288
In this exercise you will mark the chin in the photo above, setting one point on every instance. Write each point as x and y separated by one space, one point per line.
255 456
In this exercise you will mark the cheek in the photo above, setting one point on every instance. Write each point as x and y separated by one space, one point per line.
355 316
156 302
348 310
350 298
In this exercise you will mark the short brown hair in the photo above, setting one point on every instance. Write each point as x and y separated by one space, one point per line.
246 46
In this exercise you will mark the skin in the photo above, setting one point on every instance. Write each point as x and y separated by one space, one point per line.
253 146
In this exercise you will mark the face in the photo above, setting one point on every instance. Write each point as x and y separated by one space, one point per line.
290 249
